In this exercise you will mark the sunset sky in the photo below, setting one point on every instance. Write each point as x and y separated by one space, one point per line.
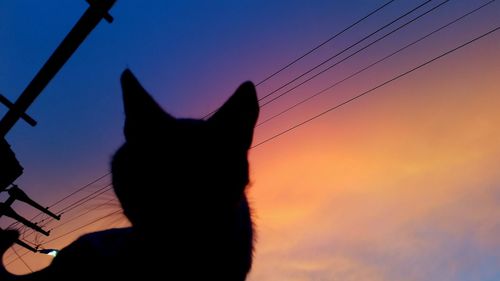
400 184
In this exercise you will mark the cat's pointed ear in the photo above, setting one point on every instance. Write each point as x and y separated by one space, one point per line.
141 110
238 115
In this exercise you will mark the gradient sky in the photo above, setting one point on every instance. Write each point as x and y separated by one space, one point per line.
402 184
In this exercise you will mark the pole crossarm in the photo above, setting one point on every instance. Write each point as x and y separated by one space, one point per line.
97 11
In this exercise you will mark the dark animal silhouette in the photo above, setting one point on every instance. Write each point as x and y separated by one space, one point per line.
181 183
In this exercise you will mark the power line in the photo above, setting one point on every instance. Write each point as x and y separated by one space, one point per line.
351 55
275 73
83 226
24 262
88 198
60 225
81 201
80 189
69 232
67 197
375 63
83 214
71 207
23 236
324 42
70 219
85 199
316 48
375 88
346 49
298 125
39 245
291 63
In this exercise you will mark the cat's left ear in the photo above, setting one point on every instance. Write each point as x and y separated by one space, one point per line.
238 115
142 112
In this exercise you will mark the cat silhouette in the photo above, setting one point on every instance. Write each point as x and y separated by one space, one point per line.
181 183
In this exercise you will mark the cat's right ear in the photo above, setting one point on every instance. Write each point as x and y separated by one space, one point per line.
237 117
141 110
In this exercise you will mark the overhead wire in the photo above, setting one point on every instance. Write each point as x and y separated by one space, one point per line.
70 219
86 198
306 121
80 189
81 227
323 43
37 245
264 80
353 54
83 214
70 232
347 48
374 88
315 48
73 205
375 63
22 260
67 209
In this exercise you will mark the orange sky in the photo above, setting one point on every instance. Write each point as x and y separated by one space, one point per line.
402 184
402 179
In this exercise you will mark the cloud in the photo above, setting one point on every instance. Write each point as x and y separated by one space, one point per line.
408 219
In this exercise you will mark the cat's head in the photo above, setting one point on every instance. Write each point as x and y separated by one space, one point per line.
187 175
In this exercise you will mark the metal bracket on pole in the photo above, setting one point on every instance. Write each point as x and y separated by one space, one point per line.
10 169
32 122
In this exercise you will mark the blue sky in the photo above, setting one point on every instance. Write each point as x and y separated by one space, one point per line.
401 185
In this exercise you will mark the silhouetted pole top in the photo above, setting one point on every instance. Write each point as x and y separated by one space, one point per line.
97 11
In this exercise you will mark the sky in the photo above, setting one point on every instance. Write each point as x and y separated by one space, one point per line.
399 184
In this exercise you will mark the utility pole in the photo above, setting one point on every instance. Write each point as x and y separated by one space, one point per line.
10 168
